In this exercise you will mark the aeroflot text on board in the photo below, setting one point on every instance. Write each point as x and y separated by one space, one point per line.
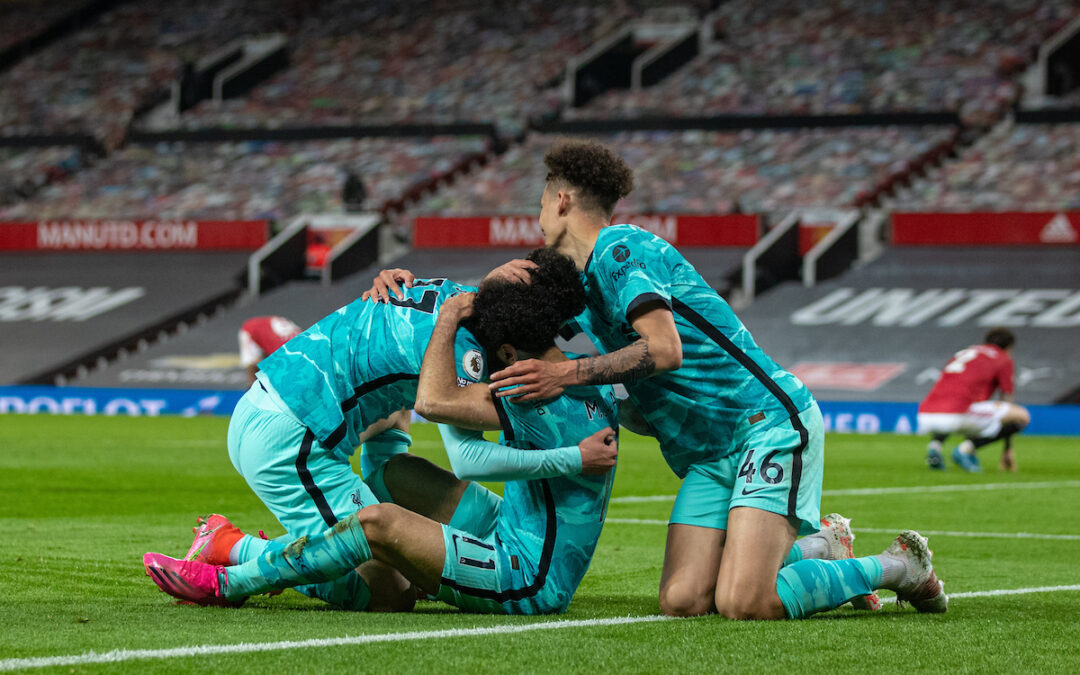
69 405
113 234
1043 307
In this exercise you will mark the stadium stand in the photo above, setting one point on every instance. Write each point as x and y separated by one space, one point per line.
23 19
478 62
1021 167
62 308
849 57
245 180
880 332
466 61
96 79
767 171
207 357
24 171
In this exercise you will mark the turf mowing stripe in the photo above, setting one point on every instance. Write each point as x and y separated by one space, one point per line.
912 489
878 530
119 655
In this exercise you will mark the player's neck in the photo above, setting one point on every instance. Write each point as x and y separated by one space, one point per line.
579 239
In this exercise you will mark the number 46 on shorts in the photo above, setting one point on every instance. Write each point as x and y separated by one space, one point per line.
770 471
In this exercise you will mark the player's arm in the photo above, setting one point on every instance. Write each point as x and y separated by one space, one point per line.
473 458
658 350
391 281
1006 382
438 396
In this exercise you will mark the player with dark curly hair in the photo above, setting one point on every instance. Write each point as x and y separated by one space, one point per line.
745 435
524 553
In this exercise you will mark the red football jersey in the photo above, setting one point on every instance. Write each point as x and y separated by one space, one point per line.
973 374
269 332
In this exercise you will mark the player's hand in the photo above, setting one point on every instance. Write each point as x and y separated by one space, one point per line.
598 452
1008 461
515 270
458 307
531 380
387 282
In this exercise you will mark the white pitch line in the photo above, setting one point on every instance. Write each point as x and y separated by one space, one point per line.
121 655
878 530
977 535
1003 591
911 489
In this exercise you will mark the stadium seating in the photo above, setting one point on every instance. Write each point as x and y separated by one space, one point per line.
889 328
1029 167
851 56
95 79
22 19
248 180
477 61
23 171
766 171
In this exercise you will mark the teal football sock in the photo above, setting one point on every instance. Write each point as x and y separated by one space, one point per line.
305 561
348 592
249 547
811 586
793 556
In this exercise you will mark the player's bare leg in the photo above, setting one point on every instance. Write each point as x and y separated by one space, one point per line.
390 592
691 564
1013 422
422 487
757 544
407 541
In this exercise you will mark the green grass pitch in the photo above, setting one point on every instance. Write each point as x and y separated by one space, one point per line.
82 498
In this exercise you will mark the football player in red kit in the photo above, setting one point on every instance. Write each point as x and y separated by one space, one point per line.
259 337
959 403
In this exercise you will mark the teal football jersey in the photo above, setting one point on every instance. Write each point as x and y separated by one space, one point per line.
726 382
362 363
558 520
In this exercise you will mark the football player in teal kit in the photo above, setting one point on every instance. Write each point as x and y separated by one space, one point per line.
524 553
745 435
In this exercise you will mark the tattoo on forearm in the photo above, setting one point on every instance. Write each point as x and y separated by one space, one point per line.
629 364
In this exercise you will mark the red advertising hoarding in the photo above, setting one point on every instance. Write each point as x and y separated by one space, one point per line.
522 231
133 235
987 229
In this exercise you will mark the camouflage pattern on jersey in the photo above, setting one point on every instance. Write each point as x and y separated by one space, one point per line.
702 410
362 362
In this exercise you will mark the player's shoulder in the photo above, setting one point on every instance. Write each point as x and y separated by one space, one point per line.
621 247
626 234
473 362
991 351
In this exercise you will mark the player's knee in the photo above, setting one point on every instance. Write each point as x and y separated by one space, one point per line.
378 521
746 607
1020 416
679 599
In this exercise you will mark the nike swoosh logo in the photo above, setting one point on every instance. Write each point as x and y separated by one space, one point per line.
750 492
